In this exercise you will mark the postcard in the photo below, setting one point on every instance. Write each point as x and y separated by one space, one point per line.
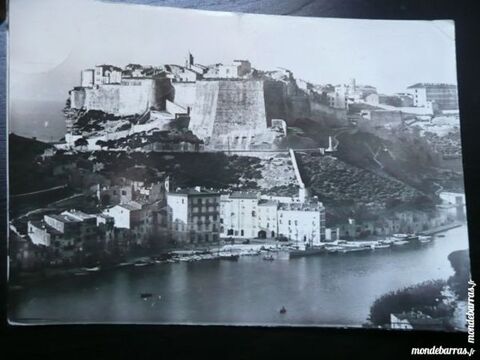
173 166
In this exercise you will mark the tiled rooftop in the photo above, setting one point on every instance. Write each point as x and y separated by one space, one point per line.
313 206
243 195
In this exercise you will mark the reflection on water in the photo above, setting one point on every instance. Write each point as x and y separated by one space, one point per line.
320 290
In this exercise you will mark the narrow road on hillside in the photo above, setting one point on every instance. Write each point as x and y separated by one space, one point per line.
40 191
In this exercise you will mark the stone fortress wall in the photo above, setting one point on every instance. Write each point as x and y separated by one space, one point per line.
231 114
130 97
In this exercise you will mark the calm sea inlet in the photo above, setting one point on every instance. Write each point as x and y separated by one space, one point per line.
323 290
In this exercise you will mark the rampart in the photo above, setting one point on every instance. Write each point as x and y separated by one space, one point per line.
185 93
229 112
130 97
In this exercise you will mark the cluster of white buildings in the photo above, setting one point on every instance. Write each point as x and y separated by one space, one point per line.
72 234
201 215
109 74
417 99
135 213
345 94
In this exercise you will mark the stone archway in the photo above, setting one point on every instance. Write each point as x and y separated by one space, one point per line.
262 234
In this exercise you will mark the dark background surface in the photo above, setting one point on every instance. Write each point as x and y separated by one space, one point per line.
228 342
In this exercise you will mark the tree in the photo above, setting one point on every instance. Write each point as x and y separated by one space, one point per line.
461 265
424 297
101 143
82 142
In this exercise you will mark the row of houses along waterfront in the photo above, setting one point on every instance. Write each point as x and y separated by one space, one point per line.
201 215
137 214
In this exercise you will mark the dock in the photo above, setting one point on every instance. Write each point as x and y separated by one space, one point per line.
440 229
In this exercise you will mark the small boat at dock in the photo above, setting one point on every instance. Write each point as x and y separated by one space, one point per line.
344 250
424 239
231 257
123 264
400 242
381 246
333 249
143 263
268 258
92 269
407 237
307 252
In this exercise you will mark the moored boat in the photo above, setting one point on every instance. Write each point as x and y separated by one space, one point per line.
144 263
307 252
424 239
123 264
407 237
353 249
381 246
333 249
92 269
229 257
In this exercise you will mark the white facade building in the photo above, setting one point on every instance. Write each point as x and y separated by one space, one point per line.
238 215
193 215
107 74
125 215
303 223
267 219
67 234
248 216
453 204
238 69
87 78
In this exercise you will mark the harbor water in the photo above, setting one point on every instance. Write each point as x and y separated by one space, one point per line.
322 290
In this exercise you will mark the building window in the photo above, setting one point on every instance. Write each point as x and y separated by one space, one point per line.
241 233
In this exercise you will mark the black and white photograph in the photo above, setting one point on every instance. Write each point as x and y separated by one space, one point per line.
193 167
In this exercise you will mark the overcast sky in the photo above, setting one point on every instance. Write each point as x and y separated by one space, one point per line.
52 40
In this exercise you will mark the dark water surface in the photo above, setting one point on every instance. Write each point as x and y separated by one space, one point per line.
320 290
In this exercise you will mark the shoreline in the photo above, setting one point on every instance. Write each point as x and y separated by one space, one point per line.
225 252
